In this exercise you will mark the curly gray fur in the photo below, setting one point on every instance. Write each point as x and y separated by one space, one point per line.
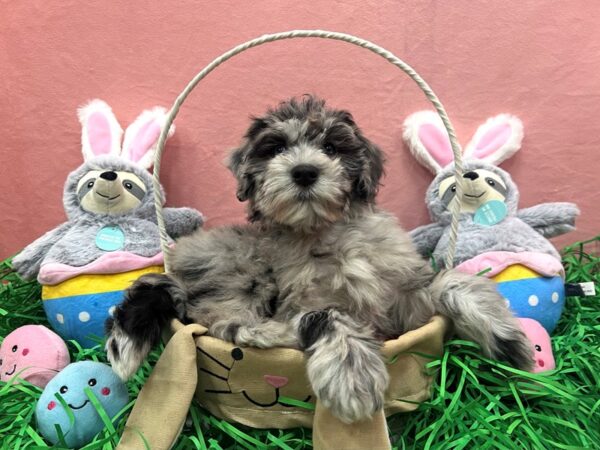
321 268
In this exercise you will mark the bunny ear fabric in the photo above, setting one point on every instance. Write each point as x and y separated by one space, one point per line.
496 140
141 137
427 140
100 130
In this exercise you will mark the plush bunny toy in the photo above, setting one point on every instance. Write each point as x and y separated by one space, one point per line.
494 237
111 236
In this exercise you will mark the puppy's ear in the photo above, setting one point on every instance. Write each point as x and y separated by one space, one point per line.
236 163
367 184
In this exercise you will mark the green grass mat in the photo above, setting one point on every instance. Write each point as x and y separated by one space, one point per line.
476 403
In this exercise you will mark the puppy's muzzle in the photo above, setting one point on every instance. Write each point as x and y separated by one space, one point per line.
305 175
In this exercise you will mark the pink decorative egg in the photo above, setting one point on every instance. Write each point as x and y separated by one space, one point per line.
540 341
32 353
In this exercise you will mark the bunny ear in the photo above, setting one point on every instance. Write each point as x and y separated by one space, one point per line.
100 131
427 139
142 135
496 140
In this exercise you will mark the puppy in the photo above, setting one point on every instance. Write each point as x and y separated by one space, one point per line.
319 267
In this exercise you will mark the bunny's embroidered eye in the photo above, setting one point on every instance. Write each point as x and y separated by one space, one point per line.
14 349
63 389
237 354
538 348
92 382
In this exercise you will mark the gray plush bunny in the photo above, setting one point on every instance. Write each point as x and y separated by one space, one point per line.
490 220
494 236
111 227
108 201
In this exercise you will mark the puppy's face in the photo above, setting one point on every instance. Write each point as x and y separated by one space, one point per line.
303 165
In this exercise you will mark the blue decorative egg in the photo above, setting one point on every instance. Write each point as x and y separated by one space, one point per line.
70 385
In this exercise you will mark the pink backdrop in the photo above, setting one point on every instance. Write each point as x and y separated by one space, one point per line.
538 60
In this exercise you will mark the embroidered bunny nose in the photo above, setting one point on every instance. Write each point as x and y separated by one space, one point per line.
541 363
276 381
110 176
469 175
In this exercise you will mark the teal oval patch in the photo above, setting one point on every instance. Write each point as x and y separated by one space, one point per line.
110 238
490 213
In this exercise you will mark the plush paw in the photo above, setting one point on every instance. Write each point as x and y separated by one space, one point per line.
26 269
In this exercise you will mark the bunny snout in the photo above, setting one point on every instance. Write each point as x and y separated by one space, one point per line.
108 187
109 175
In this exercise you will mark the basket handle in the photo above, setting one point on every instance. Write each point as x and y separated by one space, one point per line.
387 55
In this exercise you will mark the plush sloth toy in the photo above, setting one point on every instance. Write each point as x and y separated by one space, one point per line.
508 244
111 236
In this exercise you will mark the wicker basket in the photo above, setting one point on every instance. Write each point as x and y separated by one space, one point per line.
228 381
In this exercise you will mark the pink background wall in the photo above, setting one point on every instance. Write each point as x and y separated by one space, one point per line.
539 60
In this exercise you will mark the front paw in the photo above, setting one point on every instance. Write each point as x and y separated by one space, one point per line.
352 387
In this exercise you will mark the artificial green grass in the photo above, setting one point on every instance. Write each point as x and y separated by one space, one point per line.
476 403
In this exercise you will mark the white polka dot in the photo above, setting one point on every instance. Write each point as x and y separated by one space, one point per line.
554 297
84 316
111 310
533 300
60 318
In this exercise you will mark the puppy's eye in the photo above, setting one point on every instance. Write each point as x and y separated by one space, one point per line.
128 185
491 182
538 348
329 149
14 349
63 389
92 382
90 184
279 150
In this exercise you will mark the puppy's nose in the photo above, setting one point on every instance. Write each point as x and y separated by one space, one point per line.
469 175
305 174
110 175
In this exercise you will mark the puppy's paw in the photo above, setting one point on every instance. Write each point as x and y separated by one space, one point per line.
515 350
124 354
348 374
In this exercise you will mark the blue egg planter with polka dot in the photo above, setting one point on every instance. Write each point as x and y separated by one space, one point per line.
531 295
77 308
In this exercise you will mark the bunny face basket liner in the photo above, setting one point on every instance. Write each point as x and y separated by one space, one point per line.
269 388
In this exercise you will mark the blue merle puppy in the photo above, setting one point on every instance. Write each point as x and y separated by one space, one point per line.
319 267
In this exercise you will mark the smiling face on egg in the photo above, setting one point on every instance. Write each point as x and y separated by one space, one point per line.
70 385
32 353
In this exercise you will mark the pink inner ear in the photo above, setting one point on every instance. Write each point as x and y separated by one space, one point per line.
98 131
145 138
436 143
492 140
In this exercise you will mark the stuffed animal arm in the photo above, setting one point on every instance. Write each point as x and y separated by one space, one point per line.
550 219
181 221
426 237
27 263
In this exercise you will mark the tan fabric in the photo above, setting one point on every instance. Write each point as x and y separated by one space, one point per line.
236 384
162 405
331 434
